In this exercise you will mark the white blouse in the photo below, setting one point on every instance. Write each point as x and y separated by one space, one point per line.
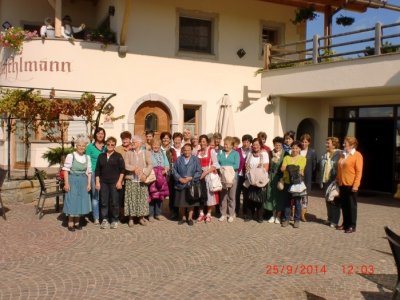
255 161
80 158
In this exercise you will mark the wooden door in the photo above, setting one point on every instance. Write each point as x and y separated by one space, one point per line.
152 115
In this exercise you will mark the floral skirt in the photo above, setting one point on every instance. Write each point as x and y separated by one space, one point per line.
136 195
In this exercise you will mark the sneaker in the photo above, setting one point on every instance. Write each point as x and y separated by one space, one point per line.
332 225
159 218
222 219
201 219
96 222
285 224
114 225
208 219
151 219
104 224
271 220
277 221
296 224
230 219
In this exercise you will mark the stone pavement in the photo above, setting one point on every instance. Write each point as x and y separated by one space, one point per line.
40 259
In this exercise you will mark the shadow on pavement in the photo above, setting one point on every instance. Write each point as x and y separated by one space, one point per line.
311 296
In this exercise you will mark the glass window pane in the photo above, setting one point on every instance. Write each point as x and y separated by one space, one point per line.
151 122
195 34
374 112
345 113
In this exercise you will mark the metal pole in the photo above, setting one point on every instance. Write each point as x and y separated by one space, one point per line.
8 147
315 49
378 38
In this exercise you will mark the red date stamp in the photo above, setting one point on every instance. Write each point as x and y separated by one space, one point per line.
351 269
299 269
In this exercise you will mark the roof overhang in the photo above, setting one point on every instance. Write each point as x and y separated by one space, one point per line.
352 5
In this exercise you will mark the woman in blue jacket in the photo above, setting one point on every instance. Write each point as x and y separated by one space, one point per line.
187 171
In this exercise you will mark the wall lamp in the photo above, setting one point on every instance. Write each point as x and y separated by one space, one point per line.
241 53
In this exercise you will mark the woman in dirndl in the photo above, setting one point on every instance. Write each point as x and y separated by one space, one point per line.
138 167
77 177
209 164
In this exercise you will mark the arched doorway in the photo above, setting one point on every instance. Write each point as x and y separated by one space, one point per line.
152 115
306 126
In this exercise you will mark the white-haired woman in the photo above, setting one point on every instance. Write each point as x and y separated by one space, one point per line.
138 166
77 175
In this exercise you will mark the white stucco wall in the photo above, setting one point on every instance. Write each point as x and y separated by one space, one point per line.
153 64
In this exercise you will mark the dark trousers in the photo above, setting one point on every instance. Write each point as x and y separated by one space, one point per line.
289 202
155 207
172 209
239 189
109 197
348 200
254 210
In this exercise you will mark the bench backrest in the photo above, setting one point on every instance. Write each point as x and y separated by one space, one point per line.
41 180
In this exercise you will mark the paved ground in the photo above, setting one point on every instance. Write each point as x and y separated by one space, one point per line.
42 260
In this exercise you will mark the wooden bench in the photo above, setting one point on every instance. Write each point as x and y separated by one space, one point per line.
3 174
394 242
47 190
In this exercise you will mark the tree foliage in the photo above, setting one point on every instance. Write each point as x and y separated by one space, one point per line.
48 115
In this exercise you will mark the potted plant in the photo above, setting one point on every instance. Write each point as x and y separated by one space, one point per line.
14 38
303 14
344 21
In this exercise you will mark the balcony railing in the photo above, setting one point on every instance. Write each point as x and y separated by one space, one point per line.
375 40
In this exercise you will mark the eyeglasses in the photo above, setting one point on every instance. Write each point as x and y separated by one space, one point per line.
110 144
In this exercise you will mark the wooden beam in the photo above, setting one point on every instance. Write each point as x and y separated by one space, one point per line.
125 23
58 17
321 4
327 24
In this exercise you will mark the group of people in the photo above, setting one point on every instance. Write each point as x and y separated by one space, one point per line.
202 174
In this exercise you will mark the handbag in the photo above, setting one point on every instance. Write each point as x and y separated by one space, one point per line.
257 176
332 191
214 182
227 176
257 194
151 178
212 179
193 192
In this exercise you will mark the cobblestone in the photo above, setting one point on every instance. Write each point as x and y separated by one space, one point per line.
41 259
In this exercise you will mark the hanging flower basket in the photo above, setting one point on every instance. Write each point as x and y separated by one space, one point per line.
304 14
344 21
14 38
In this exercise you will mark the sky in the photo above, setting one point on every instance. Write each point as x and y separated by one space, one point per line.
362 21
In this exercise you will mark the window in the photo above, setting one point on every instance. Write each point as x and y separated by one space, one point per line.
196 34
151 122
271 33
191 118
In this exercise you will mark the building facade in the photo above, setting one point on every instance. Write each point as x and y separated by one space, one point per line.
174 60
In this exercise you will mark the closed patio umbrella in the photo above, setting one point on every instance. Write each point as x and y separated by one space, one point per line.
224 124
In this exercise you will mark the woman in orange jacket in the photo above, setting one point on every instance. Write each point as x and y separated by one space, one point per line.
349 175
